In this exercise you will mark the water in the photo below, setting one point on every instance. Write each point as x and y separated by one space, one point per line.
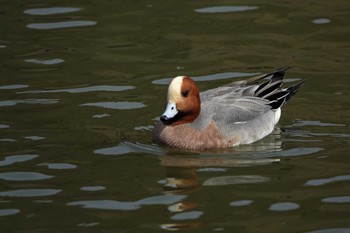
83 83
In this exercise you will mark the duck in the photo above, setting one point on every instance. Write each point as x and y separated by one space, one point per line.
241 112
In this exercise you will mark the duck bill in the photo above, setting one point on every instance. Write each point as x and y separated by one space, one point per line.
170 113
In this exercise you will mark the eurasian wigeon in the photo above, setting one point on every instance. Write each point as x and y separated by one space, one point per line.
241 112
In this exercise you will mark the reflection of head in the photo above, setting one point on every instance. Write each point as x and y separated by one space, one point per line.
181 226
180 180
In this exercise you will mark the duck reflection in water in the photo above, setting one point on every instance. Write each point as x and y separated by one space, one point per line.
182 175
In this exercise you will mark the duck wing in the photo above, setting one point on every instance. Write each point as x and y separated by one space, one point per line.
266 86
252 102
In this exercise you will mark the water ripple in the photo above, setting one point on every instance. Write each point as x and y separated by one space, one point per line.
59 166
212 169
92 188
16 159
7 212
161 200
8 103
106 205
58 25
319 182
14 86
284 206
23 176
34 138
118 205
173 161
3 126
90 224
229 180
116 105
81 89
128 147
45 61
301 123
241 203
331 230
7 140
51 10
101 115
29 192
187 215
144 128
225 9
308 134
342 199
321 21
298 151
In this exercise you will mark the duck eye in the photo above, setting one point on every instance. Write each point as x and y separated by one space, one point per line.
185 93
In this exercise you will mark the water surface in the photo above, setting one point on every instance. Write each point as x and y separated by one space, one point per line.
82 84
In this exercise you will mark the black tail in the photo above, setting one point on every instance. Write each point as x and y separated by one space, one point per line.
271 88
294 89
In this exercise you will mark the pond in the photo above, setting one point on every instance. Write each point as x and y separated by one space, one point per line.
83 83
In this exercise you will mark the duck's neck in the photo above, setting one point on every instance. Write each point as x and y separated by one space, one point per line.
188 118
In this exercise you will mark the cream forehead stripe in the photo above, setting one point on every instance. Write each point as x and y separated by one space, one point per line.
174 90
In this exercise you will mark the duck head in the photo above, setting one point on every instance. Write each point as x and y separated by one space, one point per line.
183 102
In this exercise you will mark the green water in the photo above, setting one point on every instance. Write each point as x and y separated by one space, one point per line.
83 82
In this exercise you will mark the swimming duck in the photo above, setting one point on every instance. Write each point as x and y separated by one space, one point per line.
241 112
